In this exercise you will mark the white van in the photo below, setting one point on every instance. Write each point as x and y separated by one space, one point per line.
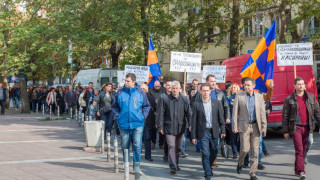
97 76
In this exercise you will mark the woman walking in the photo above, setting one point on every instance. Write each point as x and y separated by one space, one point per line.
106 98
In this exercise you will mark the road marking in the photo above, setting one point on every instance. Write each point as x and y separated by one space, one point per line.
30 130
51 160
37 141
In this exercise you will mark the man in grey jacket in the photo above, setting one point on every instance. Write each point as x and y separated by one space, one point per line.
173 110
70 100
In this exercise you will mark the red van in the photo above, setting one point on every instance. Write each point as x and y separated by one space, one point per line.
283 77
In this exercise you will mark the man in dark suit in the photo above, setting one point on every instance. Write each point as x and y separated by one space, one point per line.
207 120
70 100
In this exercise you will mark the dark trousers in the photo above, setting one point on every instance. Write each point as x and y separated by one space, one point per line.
2 104
147 141
209 146
174 149
108 122
161 139
34 105
300 141
153 135
234 139
53 107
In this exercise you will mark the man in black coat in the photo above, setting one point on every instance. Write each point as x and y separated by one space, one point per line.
70 99
173 110
207 121
3 98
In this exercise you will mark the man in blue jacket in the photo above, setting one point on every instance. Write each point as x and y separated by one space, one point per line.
131 108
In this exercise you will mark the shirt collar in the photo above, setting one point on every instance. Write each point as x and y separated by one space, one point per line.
209 101
249 94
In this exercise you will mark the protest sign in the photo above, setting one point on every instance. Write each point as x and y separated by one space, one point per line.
191 76
182 61
301 53
141 72
120 75
218 71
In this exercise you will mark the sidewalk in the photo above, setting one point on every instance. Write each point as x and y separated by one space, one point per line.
34 149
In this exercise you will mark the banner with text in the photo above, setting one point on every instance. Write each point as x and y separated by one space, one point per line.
180 61
218 71
191 76
120 75
141 72
299 52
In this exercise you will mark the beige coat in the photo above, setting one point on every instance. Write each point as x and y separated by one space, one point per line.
240 114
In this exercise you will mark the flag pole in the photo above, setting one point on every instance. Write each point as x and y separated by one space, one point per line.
184 81
294 69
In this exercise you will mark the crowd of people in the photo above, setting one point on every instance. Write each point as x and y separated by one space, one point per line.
202 113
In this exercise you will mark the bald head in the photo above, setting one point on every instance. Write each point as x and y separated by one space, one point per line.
144 88
157 85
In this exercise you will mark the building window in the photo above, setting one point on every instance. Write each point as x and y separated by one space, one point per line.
248 27
182 36
210 35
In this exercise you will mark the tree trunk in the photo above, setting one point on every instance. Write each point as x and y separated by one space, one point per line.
234 32
115 53
283 22
25 105
144 30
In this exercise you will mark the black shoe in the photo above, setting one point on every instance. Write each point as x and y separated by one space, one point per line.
149 160
173 171
253 178
261 167
178 168
239 169
245 166
207 178
235 156
184 154
266 153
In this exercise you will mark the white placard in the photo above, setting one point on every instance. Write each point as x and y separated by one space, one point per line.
192 76
120 75
299 52
180 61
141 72
218 71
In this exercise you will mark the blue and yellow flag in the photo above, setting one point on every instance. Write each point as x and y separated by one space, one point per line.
153 63
260 64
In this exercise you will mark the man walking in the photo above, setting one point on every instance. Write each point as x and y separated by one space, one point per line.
207 121
70 100
131 108
300 109
249 119
173 110
3 98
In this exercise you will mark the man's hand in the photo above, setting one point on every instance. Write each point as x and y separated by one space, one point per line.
235 131
264 134
66 105
156 101
271 84
228 121
286 136
98 113
268 111
190 128
161 131
157 127
223 135
184 93
194 141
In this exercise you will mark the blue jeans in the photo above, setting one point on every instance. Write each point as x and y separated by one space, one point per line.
134 136
16 99
108 122
246 159
34 105
45 105
310 142
147 142
184 143
209 146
